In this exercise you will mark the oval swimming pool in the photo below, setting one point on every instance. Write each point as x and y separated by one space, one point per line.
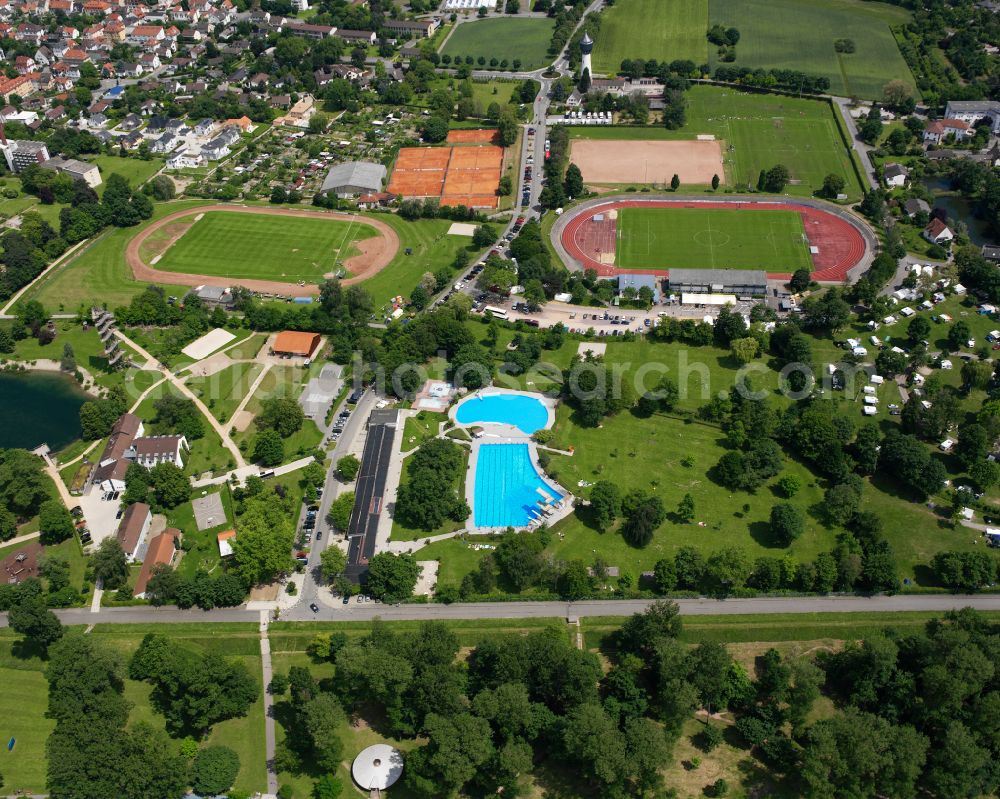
522 411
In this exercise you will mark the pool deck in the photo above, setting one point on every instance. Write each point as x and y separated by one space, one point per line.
548 402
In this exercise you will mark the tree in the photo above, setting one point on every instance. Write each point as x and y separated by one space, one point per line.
54 521
642 633
675 182
110 564
392 578
348 468
800 281
8 525
457 748
35 622
685 509
262 550
744 350
483 236
328 786
605 503
776 179
214 770
573 182
574 582
708 665
281 414
268 448
643 514
592 738
333 561
787 522
321 717
833 185
340 511
171 486
715 182
919 328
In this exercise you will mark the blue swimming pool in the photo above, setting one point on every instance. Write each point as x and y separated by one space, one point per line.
524 412
507 486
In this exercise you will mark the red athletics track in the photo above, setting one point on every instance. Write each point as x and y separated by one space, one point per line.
841 245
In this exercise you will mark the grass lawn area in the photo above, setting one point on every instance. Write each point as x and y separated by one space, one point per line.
204 548
800 34
282 381
494 91
134 170
647 29
17 205
223 391
711 238
97 274
763 130
524 39
254 246
431 248
417 429
23 700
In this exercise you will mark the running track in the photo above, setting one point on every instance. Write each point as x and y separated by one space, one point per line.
841 244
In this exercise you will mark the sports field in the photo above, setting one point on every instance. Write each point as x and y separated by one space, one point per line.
799 34
757 131
774 34
650 29
505 38
252 246
691 238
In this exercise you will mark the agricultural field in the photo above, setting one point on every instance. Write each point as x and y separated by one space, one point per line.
800 34
714 239
524 39
758 131
645 29
264 247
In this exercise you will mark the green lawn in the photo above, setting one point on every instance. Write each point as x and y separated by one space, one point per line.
430 249
800 34
223 391
201 547
288 249
134 170
97 274
23 692
758 131
651 238
524 39
417 429
649 29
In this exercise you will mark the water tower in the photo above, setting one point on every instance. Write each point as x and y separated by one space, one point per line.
586 48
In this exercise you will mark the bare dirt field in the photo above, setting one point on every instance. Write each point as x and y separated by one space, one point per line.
375 253
646 161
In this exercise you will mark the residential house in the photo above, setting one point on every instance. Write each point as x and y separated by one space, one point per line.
915 206
938 130
937 232
895 175
363 38
132 529
110 472
150 451
421 28
78 170
160 552
309 31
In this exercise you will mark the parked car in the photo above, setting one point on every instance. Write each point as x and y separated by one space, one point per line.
314 607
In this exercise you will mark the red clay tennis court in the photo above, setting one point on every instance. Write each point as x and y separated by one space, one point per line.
836 245
472 136
461 175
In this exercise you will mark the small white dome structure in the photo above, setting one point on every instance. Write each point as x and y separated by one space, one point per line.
377 767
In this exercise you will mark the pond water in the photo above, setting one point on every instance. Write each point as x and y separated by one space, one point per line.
958 209
39 408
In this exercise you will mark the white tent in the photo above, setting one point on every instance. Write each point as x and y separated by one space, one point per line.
377 767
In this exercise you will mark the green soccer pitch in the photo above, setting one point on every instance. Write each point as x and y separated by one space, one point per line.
258 246
693 238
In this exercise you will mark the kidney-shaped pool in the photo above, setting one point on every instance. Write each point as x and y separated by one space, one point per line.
523 411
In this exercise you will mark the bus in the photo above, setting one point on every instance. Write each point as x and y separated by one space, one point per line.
492 310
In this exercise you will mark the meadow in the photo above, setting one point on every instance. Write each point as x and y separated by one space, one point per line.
505 38
774 34
288 249
800 34
711 238
135 170
645 29
758 131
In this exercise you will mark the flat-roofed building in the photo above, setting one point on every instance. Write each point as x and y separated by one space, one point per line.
742 282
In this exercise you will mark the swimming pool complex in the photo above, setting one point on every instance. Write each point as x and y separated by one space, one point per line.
508 487
522 411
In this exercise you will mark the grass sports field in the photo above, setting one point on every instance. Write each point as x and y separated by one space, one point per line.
799 34
646 29
763 130
711 239
524 39
270 248
779 34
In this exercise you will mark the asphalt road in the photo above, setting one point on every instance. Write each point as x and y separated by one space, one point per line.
937 603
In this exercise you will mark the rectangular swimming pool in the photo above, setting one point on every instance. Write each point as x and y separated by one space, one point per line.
508 487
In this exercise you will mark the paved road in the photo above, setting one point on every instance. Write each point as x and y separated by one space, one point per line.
937 603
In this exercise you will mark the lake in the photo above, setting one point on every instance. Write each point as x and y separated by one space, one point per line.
39 408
